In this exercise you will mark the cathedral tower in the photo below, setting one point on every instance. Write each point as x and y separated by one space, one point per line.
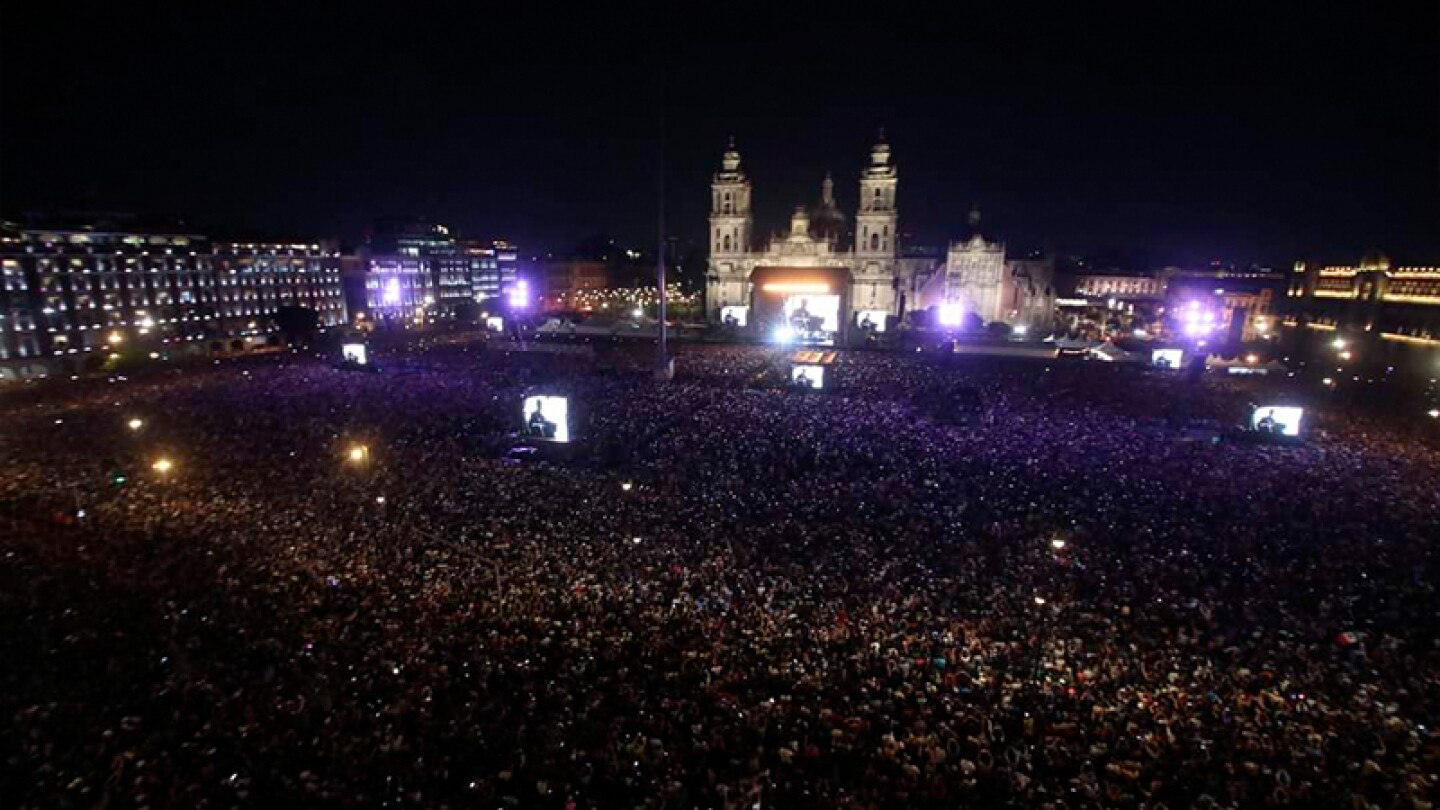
731 222
876 230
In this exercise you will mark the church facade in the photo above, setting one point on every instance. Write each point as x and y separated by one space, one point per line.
815 263
823 280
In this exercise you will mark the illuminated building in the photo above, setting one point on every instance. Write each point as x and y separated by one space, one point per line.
460 270
490 267
1400 303
859 276
976 281
398 287
1122 287
83 289
861 272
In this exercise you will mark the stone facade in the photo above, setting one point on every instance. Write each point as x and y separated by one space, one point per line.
870 271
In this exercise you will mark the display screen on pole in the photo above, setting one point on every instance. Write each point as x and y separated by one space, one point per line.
872 320
1277 419
353 353
495 323
735 316
813 318
807 376
547 418
1167 358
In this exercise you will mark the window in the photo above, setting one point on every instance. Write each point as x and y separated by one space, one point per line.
874 241
726 243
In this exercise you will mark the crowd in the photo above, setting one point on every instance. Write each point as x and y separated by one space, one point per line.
736 595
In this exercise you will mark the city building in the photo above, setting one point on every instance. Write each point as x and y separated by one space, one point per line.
977 282
88 288
459 271
1400 303
1127 288
492 267
398 288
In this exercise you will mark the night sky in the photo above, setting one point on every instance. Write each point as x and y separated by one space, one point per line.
1178 133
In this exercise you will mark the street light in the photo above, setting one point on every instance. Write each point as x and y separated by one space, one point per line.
1339 343
136 423
359 453
163 465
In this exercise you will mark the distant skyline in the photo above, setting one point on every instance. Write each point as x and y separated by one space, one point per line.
1258 133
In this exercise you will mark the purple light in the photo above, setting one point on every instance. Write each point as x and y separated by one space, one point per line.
951 314
392 292
520 294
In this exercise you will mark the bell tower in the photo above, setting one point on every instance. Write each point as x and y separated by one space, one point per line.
876 231
731 224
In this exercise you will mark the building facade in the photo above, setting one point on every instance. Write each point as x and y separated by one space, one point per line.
86 290
460 271
859 273
815 269
398 288
1400 303
976 282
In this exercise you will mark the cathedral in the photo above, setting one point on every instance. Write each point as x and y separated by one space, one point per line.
816 285
811 281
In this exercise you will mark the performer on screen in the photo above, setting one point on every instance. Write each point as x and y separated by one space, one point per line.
800 317
538 425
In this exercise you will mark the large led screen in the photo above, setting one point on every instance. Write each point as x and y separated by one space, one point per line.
813 317
807 376
547 418
354 353
1276 419
1167 358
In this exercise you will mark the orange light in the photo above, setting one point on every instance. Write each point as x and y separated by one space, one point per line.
796 287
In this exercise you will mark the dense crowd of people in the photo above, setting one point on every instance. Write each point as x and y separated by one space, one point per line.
733 594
